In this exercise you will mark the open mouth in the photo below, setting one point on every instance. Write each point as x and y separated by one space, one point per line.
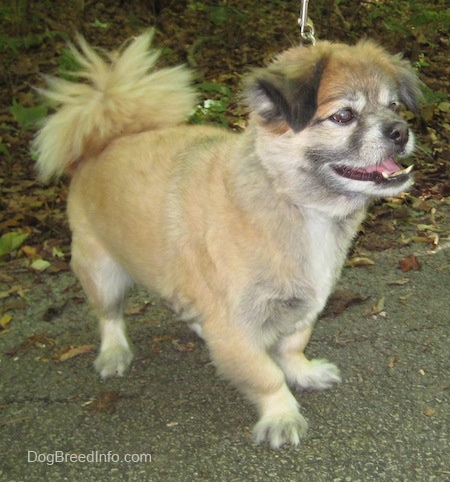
386 172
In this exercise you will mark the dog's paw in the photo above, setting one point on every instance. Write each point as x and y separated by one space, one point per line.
317 374
280 429
113 361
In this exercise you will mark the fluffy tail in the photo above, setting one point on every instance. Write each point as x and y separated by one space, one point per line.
120 97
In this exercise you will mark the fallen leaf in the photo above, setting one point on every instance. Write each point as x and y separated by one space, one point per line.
40 264
429 412
57 253
357 262
399 282
156 349
16 420
58 265
105 402
405 297
183 347
423 239
14 289
6 278
29 251
4 321
340 300
73 351
159 339
9 242
427 227
393 361
377 309
137 308
409 263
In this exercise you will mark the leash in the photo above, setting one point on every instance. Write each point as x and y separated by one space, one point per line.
306 26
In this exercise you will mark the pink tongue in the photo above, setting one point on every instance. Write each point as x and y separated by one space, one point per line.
388 166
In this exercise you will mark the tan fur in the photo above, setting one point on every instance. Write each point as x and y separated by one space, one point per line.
244 235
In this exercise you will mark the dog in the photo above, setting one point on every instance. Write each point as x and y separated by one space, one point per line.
243 234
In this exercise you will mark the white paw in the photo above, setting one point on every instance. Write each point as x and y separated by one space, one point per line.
317 374
280 429
113 361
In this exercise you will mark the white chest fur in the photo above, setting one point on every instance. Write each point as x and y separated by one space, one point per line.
312 261
326 252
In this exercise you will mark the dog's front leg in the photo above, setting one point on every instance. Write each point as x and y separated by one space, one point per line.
246 363
301 373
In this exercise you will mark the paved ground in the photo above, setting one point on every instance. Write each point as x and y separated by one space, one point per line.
389 420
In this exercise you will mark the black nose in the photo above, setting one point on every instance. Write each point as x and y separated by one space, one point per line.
398 133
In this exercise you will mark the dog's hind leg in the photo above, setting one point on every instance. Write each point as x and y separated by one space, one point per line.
105 283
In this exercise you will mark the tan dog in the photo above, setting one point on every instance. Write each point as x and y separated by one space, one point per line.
245 235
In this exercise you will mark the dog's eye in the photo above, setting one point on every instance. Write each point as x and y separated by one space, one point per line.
343 116
394 106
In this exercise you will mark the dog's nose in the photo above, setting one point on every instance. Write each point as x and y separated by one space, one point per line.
398 133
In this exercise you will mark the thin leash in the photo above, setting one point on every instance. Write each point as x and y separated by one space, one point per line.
306 26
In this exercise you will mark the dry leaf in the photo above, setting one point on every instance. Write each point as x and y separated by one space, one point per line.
159 339
393 361
356 262
340 300
73 351
405 297
377 309
137 308
6 278
156 349
105 402
29 251
399 282
429 412
183 347
14 289
409 263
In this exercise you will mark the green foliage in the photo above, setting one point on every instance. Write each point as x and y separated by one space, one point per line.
68 65
430 19
403 17
10 242
212 110
98 24
432 96
218 14
5 151
421 62
28 42
27 117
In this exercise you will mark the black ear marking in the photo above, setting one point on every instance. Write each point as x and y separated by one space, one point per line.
305 94
274 105
409 85
277 98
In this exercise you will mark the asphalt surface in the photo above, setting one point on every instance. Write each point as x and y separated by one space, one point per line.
172 419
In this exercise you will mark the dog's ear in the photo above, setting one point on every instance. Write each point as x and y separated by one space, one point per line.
279 100
409 84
